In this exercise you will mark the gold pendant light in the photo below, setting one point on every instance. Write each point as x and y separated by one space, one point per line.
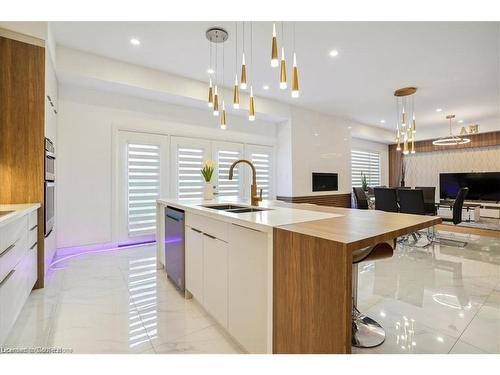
216 102
405 130
283 70
236 94
243 80
223 116
398 138
210 95
274 49
295 78
251 106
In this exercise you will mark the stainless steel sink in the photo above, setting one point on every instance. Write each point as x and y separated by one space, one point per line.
3 213
247 209
223 207
234 208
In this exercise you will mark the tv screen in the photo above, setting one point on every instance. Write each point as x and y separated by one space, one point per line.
324 181
482 186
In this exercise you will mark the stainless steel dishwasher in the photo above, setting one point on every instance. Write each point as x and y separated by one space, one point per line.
174 246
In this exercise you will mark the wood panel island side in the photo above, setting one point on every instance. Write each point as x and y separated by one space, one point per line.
279 281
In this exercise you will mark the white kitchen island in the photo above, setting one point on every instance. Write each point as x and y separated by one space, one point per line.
228 263
279 280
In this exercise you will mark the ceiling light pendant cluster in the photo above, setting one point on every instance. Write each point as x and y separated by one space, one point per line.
450 140
217 36
283 85
406 123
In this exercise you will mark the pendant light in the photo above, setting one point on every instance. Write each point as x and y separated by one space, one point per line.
236 94
283 62
451 140
406 124
223 113
243 76
216 102
210 95
295 73
223 116
251 104
283 70
274 49
210 101
236 88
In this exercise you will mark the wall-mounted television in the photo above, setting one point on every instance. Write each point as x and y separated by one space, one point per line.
325 181
484 186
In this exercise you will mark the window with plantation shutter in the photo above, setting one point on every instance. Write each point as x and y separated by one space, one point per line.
143 189
366 163
225 186
189 179
262 159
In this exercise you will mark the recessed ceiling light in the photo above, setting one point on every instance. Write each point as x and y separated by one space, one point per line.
265 87
439 110
382 121
334 53
135 41
349 127
461 121
210 71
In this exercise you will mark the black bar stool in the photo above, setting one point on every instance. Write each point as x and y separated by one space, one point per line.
366 332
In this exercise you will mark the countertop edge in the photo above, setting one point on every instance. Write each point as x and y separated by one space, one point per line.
19 210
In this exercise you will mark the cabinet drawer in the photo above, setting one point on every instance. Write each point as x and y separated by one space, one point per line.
32 219
208 225
12 297
12 232
12 255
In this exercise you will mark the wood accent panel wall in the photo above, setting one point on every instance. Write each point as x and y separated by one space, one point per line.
22 133
333 200
312 281
477 140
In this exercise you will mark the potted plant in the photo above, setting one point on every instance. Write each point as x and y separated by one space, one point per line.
207 171
364 182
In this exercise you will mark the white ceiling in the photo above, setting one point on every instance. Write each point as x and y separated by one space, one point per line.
455 65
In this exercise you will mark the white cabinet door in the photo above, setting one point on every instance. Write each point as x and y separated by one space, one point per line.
194 263
215 278
248 280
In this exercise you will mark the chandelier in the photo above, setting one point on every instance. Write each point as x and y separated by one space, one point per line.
216 101
450 140
406 123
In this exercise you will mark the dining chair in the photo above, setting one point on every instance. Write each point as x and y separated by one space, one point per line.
429 199
456 219
386 199
361 199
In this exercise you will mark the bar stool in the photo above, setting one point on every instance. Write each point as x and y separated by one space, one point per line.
366 332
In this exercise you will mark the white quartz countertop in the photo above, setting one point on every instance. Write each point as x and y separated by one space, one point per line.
15 211
263 220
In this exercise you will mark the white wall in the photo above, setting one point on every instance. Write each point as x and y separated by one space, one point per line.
382 149
321 143
423 168
86 122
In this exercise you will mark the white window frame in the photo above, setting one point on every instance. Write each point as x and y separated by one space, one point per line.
252 148
228 146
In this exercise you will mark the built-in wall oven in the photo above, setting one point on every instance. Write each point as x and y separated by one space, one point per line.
50 186
50 161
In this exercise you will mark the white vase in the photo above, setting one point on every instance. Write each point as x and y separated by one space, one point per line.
208 191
